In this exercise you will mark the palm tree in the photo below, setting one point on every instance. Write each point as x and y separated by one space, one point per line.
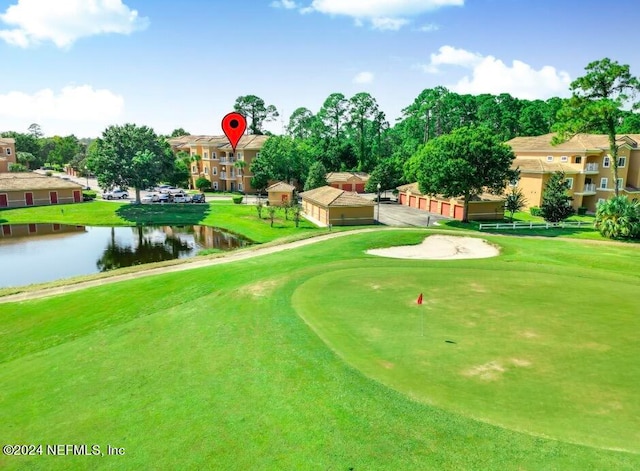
618 218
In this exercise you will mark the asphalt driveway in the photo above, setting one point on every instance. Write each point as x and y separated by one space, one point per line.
395 214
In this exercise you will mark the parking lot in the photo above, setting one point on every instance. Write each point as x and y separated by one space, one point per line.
395 214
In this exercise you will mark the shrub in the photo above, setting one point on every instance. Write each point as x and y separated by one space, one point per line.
535 211
618 218
48 173
556 201
17 168
582 210
203 183
89 195
237 199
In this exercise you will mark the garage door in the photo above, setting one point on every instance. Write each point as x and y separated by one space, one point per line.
412 202
445 210
77 197
458 212
422 203
403 198
3 201
28 197
360 187
433 206
347 187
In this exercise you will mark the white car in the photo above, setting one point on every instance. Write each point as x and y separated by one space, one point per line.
147 198
181 198
115 195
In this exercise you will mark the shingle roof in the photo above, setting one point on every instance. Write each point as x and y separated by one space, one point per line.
329 196
281 186
538 165
333 177
33 181
7 140
414 188
578 143
248 141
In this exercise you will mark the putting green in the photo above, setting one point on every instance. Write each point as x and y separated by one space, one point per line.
536 351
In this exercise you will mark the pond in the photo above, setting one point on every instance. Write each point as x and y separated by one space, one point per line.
36 253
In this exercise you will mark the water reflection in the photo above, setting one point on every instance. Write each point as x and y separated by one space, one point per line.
60 251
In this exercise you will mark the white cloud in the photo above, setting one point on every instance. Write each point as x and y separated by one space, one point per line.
383 14
64 22
429 28
491 75
286 4
363 77
388 24
73 103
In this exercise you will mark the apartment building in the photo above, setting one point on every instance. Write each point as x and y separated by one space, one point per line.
586 163
7 153
213 158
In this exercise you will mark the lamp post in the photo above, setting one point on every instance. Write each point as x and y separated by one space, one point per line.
378 218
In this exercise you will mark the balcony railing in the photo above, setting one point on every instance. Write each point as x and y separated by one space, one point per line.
591 167
589 187
227 160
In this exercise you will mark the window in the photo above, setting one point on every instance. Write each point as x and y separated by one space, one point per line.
215 170
206 154
214 155
601 200
230 154
8 151
606 162
240 187
257 154
619 183
206 171
564 158
239 155
215 185
549 158
577 159
622 161
603 183
194 169
569 181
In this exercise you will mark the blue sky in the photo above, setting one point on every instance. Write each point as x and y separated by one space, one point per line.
78 66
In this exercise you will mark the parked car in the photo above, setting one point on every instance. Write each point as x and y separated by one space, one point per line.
115 195
147 199
161 198
181 198
198 198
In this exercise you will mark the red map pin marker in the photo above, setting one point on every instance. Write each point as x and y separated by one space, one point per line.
234 125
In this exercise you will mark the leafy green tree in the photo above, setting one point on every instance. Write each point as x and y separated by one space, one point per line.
556 202
203 183
262 171
271 211
334 114
618 218
130 156
179 175
17 168
317 176
515 201
388 173
283 158
25 158
256 111
179 132
364 118
35 130
301 124
465 163
597 103
62 150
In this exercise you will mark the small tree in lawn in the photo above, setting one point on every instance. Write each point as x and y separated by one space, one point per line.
272 213
202 184
259 208
297 210
515 201
286 207
556 202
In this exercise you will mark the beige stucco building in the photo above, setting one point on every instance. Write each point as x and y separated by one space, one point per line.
32 189
214 159
586 163
348 181
7 153
331 206
280 194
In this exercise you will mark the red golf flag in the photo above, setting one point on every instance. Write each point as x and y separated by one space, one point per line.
420 299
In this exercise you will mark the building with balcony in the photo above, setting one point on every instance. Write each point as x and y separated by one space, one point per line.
586 163
7 153
213 158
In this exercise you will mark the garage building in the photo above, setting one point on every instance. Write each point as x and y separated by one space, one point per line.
330 205
31 189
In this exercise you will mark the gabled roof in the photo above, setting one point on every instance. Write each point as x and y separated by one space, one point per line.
334 177
538 165
414 188
33 181
7 140
281 186
330 197
580 143
247 141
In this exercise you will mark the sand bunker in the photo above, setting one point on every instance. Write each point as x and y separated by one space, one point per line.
441 247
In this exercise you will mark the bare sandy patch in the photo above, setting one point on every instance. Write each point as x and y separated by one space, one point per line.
386 364
488 372
528 334
441 247
520 362
262 288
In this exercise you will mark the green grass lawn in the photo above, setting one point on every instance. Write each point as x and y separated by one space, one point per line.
314 358
239 218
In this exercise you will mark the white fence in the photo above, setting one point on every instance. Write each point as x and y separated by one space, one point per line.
535 225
